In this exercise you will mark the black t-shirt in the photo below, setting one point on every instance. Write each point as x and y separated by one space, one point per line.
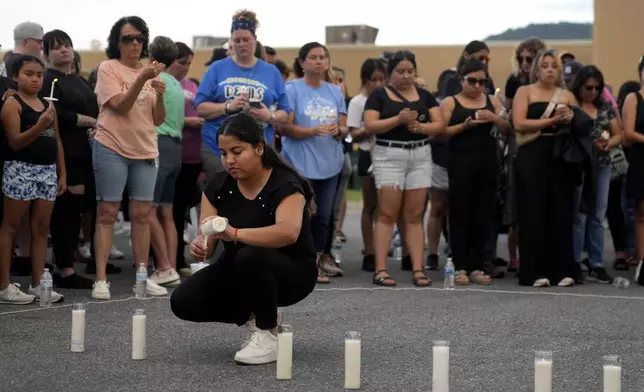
512 85
44 149
388 108
223 193
75 96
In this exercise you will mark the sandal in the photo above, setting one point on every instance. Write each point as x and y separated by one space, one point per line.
621 265
461 279
383 280
480 277
420 280
322 278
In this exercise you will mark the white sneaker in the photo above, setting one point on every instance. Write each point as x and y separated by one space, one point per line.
35 291
566 282
101 290
115 253
154 290
543 282
85 251
250 324
12 295
169 277
185 272
261 349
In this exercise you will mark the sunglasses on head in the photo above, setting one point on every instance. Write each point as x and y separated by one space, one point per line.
527 59
128 39
591 88
475 81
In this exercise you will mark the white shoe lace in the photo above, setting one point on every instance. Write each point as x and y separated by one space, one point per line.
256 339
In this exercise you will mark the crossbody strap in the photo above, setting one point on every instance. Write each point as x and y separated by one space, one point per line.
552 104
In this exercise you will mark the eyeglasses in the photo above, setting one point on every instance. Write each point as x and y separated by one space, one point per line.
129 39
527 59
591 88
475 81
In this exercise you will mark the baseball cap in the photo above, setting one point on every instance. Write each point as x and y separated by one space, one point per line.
28 30
571 69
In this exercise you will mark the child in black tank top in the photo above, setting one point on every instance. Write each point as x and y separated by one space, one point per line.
33 173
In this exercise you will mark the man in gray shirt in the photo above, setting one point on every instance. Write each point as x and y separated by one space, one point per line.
28 40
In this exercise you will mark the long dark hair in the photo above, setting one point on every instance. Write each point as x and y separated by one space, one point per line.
244 127
470 49
112 50
631 86
369 67
585 73
301 56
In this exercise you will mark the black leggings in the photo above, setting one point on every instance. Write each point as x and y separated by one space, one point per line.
250 281
186 196
615 215
64 227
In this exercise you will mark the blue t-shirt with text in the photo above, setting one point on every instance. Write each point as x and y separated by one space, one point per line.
315 157
224 80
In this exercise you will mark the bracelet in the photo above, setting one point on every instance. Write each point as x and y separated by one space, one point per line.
270 120
226 107
235 236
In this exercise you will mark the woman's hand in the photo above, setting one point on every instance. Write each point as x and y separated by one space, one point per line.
471 123
227 235
486 116
406 116
159 87
152 70
62 185
201 251
261 114
240 102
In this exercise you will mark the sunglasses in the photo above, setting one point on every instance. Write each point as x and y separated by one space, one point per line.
129 39
591 88
483 59
527 59
475 81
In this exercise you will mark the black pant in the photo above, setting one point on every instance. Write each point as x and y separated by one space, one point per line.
249 281
472 188
64 227
615 215
186 196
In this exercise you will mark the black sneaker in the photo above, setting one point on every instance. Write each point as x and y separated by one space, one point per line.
73 281
599 275
432 262
110 269
369 263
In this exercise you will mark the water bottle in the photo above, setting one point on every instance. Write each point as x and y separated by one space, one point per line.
141 281
336 250
621 283
398 249
449 275
46 288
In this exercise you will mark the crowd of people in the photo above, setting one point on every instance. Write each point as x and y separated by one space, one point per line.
268 147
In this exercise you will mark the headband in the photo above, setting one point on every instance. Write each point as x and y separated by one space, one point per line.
243 24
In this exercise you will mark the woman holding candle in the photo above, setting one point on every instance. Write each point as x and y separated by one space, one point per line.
312 141
131 105
33 175
269 259
241 82
76 111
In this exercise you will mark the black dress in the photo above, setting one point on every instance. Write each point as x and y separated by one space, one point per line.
635 175
545 193
246 279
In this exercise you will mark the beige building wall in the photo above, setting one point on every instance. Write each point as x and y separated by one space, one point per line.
431 60
618 38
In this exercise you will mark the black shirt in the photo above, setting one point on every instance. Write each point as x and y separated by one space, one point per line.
388 108
478 139
75 96
8 62
512 85
223 193
44 149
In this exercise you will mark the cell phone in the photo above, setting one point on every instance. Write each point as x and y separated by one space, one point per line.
255 104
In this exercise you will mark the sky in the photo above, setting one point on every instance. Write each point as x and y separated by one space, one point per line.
291 23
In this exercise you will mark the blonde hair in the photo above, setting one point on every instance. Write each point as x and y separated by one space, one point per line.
536 67
247 14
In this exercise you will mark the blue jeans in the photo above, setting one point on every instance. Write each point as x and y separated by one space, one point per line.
589 229
325 191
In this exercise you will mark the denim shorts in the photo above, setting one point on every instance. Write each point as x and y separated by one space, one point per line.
113 171
169 168
27 181
402 165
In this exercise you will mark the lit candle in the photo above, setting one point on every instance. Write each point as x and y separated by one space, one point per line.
440 367
78 328
352 345
198 266
612 373
139 344
285 352
543 371
51 93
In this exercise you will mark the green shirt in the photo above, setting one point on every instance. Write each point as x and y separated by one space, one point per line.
174 100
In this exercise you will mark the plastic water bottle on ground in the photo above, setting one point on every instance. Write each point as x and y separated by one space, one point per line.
621 283
449 275
141 282
397 248
336 250
46 288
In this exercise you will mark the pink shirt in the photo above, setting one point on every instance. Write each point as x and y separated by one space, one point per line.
609 97
191 141
132 135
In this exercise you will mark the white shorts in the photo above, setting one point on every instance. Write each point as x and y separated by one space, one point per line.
403 165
